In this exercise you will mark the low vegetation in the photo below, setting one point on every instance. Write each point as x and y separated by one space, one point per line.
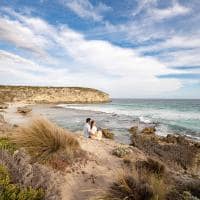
10 191
132 186
47 143
128 187
152 166
27 174
121 151
6 144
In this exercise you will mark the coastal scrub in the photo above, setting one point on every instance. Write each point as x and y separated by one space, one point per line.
11 191
6 144
47 143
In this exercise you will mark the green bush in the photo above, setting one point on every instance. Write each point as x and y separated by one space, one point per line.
10 191
7 145
121 151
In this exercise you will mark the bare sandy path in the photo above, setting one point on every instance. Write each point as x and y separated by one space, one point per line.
95 176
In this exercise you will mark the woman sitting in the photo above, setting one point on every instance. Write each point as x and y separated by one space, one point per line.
94 133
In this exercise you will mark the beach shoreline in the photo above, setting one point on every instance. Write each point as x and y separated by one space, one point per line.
106 159
59 114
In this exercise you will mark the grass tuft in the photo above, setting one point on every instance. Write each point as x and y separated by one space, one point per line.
46 142
151 165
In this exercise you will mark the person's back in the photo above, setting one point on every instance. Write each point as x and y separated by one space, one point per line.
86 129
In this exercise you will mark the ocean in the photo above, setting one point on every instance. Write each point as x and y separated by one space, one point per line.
170 116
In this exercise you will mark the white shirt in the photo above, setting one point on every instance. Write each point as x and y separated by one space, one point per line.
86 130
93 130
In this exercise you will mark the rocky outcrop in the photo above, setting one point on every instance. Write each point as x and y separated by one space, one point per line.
174 151
107 134
29 94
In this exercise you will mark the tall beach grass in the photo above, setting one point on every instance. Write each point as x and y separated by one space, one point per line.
46 142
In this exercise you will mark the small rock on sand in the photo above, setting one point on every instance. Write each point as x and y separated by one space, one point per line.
24 110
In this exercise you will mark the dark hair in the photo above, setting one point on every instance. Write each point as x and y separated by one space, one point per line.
92 123
88 120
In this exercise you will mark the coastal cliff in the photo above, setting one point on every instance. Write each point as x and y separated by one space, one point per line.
30 94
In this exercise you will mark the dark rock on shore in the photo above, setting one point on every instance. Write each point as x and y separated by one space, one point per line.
146 130
172 150
149 130
24 110
3 106
107 134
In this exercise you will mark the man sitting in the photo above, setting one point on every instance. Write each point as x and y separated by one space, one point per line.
86 129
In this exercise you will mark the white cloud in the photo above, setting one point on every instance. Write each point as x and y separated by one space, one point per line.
177 50
84 9
142 5
175 10
93 63
22 36
183 58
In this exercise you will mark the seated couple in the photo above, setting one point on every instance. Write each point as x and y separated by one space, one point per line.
91 131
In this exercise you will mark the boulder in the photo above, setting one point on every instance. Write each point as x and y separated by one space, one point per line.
3 106
170 139
133 130
24 110
149 130
107 134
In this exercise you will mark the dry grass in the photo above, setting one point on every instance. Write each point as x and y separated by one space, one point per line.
130 188
46 142
152 166
134 186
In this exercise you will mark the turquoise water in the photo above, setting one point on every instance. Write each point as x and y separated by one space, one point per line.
171 116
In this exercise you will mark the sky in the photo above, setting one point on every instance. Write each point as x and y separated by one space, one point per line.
127 48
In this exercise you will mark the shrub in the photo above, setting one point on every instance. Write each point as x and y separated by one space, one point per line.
121 151
9 191
46 142
127 187
151 165
34 175
6 144
160 188
192 186
188 190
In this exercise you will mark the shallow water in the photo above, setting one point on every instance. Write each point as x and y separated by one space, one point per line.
171 116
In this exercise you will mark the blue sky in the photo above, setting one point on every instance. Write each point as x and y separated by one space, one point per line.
129 48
